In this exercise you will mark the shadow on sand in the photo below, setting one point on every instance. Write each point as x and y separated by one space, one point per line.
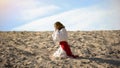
101 60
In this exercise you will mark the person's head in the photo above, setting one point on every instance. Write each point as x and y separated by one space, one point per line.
58 25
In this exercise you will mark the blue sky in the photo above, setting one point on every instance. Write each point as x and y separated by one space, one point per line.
40 15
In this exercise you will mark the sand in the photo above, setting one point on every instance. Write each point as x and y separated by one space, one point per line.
97 49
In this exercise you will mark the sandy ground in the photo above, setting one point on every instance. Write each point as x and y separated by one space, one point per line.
97 49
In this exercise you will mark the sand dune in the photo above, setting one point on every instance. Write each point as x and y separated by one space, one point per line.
97 49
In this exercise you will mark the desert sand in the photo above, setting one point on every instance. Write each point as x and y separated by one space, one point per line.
97 49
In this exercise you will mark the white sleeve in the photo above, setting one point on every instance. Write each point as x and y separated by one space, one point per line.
60 35
64 34
55 35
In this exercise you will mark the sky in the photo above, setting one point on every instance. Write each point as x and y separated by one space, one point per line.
40 15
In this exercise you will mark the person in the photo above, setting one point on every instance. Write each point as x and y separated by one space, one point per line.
60 35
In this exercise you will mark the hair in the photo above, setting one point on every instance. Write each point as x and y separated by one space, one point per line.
58 25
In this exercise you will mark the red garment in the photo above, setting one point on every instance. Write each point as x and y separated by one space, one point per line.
67 49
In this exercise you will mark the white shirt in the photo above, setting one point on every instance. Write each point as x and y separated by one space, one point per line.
60 35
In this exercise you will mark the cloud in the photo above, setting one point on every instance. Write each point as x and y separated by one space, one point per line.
6 11
38 12
77 19
31 9
97 17
17 12
112 16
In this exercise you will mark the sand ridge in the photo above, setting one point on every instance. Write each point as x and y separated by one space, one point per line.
97 49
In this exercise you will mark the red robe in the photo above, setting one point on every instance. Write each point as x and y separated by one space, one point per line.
67 49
